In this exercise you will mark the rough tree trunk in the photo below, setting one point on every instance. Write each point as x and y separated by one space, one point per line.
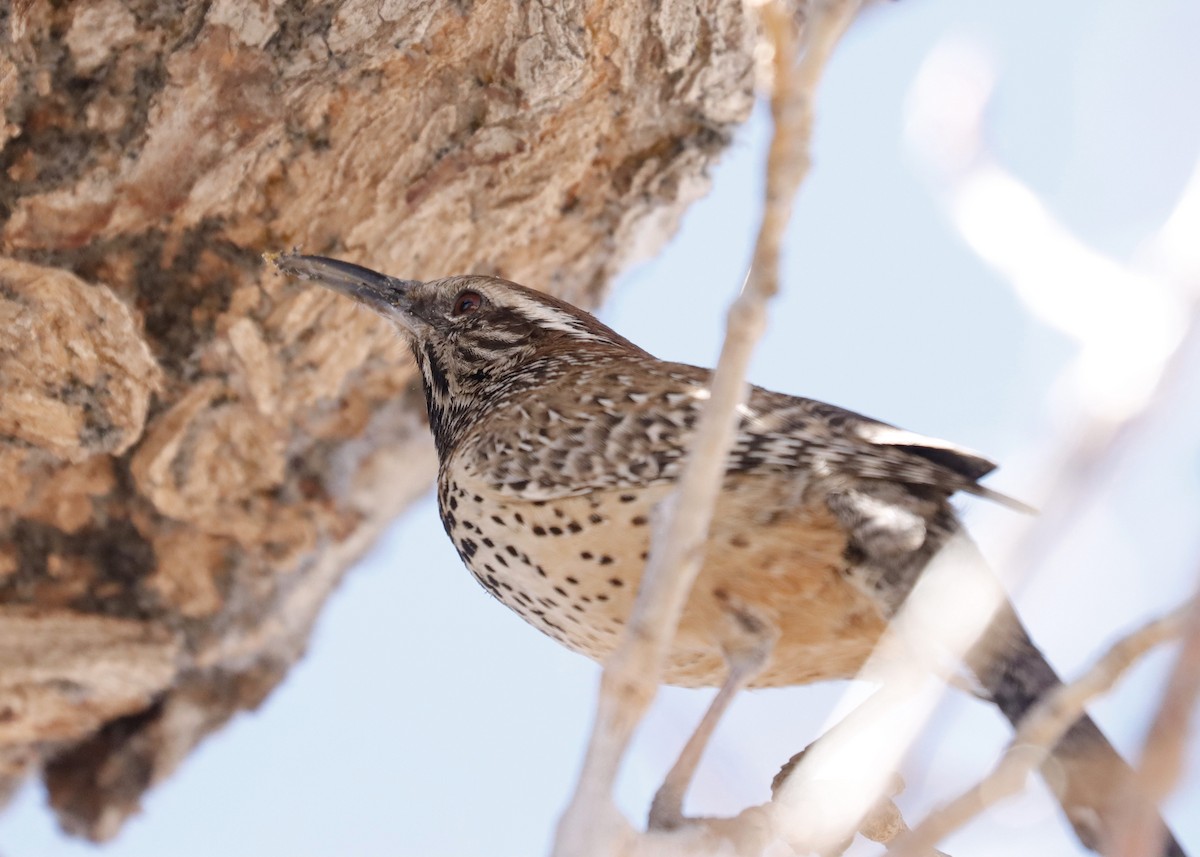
192 449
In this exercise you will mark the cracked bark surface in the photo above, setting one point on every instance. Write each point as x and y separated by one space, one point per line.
193 450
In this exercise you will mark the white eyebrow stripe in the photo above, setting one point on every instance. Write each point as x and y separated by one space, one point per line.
550 318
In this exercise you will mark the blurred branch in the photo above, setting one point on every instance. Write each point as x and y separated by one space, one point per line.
1139 335
591 824
1136 330
845 772
1140 834
836 790
884 823
1041 730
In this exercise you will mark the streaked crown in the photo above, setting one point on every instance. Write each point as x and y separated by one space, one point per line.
476 339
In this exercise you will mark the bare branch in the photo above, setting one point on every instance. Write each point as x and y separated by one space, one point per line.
797 817
1015 233
1140 834
591 825
843 775
1040 731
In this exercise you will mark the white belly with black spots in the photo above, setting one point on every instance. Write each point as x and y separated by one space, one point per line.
571 568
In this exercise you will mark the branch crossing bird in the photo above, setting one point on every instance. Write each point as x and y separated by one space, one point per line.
557 438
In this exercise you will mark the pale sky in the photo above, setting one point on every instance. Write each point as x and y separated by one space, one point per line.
427 720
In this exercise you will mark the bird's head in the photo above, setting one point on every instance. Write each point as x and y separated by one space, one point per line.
474 338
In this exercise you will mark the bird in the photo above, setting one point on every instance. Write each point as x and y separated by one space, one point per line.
557 438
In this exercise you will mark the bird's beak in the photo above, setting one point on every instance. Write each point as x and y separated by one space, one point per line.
386 295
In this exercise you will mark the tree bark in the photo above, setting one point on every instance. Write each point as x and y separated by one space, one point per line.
192 449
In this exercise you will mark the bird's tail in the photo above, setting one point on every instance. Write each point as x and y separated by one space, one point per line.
1092 782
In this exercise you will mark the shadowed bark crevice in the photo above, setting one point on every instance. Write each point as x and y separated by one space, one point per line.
193 450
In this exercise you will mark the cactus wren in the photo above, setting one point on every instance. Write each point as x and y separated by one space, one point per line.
556 438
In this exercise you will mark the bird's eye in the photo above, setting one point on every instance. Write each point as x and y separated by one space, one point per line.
467 302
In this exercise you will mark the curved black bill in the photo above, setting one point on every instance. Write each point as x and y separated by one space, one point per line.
376 290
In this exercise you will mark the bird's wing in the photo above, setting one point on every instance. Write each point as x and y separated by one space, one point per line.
629 426
828 439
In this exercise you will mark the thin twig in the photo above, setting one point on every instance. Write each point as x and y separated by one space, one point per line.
1085 455
1095 453
591 824
1040 731
1088 458
1139 833
844 773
